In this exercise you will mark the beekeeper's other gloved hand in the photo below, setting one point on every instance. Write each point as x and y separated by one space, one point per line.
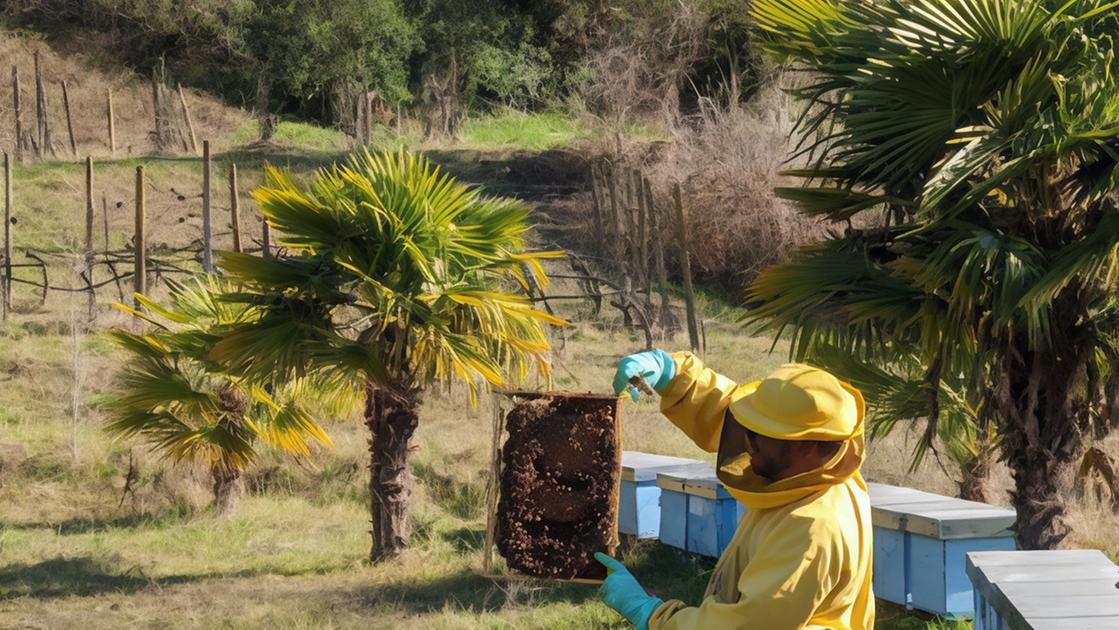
621 592
655 366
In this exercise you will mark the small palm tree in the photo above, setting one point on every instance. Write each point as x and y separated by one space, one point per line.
971 147
391 282
190 408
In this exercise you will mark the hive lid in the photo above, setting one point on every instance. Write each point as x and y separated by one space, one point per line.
882 495
1048 589
698 480
940 517
637 466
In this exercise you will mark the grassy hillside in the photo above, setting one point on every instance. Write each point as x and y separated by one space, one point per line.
76 550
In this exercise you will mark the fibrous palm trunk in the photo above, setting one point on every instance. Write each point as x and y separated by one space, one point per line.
228 489
391 414
976 471
1045 406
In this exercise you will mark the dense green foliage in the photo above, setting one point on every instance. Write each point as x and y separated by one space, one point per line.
295 56
972 148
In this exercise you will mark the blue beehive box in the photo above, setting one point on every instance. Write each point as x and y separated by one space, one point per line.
697 513
639 508
920 542
1056 590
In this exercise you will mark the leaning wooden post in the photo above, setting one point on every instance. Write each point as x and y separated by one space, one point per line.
686 266
6 298
105 218
140 269
69 119
18 111
207 235
92 298
186 116
112 123
234 208
657 237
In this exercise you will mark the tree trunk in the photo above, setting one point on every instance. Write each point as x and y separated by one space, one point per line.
391 414
1042 485
976 470
228 490
1044 400
261 109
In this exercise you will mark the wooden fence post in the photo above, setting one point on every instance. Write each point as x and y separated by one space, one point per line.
46 143
657 236
6 298
596 204
92 299
686 266
112 123
189 122
616 217
368 117
207 234
642 249
18 111
140 269
235 208
105 217
631 225
69 119
265 235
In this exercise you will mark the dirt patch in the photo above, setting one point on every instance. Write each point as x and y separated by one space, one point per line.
559 486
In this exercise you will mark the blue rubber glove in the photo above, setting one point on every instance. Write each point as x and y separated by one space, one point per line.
621 592
655 366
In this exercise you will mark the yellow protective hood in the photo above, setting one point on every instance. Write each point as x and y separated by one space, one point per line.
800 402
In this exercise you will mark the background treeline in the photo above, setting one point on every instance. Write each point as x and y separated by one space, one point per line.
444 58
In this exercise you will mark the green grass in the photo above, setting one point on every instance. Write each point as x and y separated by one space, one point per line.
293 555
517 130
296 135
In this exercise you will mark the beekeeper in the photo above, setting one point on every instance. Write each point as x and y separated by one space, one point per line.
789 448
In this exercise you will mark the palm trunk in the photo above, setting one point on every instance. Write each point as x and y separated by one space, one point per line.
976 472
1044 399
1042 485
391 414
228 490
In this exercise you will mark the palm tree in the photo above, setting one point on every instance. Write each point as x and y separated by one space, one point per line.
190 408
391 282
971 149
894 385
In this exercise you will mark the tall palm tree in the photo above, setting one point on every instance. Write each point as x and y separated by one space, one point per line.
391 282
971 149
190 408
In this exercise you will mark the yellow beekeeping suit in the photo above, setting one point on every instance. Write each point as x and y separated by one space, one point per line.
801 557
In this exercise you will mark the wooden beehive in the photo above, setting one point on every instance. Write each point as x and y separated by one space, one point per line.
1044 590
555 483
639 510
920 540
